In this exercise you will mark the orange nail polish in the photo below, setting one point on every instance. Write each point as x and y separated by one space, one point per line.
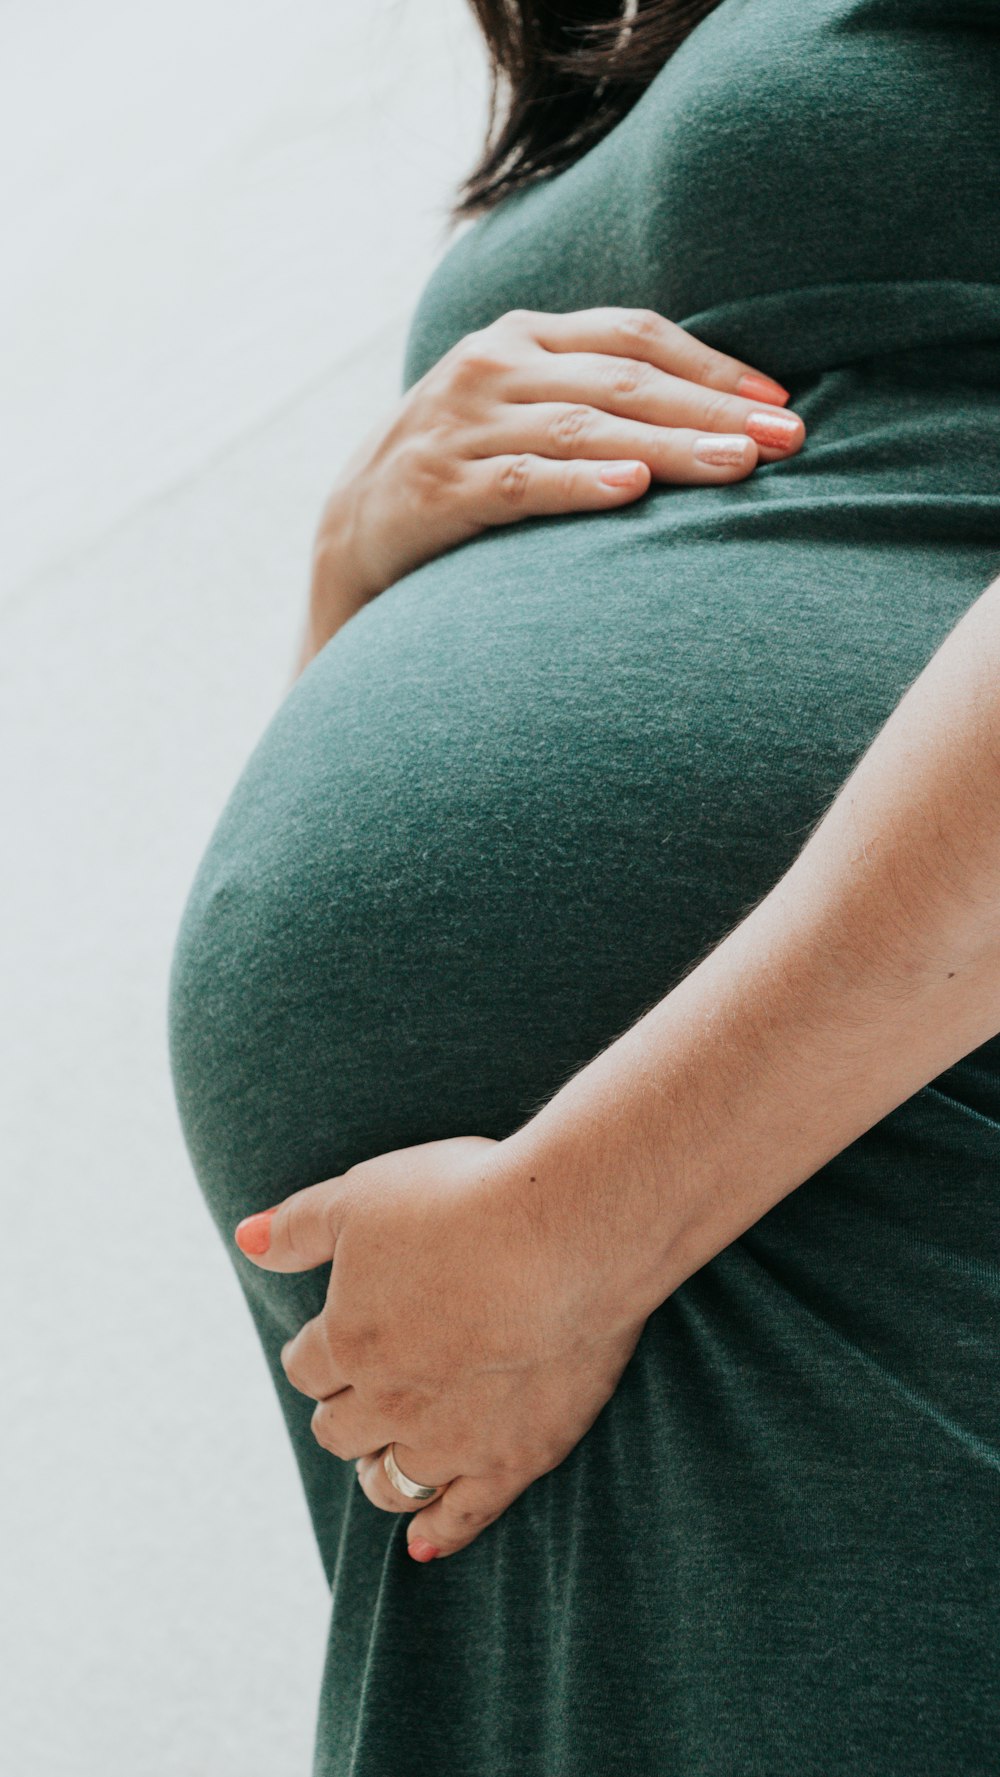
779 431
422 1550
253 1235
761 388
722 448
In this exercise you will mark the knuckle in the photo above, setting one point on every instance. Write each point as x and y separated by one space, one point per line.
326 1433
719 409
292 1366
701 365
514 480
351 1347
643 327
520 1460
475 1517
503 1469
626 379
433 476
518 319
697 361
476 358
295 1218
395 1403
347 1345
571 425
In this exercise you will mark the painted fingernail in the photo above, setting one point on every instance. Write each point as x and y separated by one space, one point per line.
761 388
723 448
422 1550
779 431
620 474
253 1235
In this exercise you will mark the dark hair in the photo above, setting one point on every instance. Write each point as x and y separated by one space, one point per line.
562 74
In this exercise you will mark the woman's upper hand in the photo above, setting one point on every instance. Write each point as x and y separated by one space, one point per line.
460 1325
540 414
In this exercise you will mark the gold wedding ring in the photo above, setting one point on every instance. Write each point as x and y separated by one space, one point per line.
412 1489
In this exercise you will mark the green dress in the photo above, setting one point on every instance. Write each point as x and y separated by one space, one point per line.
503 811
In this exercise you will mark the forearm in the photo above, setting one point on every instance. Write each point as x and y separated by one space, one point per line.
330 606
334 596
871 967
339 584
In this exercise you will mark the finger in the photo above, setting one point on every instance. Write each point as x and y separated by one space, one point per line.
299 1233
645 334
346 1426
642 392
311 1365
377 1487
498 490
460 1515
672 453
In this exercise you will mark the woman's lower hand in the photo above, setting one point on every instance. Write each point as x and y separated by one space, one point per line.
463 1325
537 415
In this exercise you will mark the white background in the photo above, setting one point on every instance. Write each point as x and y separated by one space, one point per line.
215 218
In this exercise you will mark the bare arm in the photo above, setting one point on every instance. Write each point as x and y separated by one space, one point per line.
872 966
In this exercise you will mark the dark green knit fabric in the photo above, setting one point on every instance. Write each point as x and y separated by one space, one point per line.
503 811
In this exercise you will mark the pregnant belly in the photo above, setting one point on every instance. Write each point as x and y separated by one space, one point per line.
510 803
513 799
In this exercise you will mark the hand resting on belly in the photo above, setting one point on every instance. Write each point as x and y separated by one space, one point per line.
473 1332
532 416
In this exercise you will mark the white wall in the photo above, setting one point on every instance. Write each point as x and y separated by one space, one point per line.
215 217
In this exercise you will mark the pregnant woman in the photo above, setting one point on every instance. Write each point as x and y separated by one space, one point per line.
588 1002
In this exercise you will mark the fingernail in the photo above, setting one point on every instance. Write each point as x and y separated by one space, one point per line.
422 1550
761 388
779 431
723 448
253 1235
619 474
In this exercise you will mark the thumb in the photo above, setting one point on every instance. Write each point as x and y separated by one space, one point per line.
296 1235
455 1519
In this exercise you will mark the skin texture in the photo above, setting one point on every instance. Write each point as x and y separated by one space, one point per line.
872 966
517 421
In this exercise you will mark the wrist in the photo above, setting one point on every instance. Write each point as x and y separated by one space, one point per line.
802 1029
337 586
687 1129
582 1179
